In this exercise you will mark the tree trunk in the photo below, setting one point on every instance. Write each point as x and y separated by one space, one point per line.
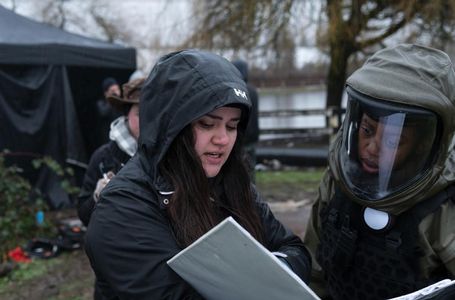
336 78
341 45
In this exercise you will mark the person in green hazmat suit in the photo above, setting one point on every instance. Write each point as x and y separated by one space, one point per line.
383 224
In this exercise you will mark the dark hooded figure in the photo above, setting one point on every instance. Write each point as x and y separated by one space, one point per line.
105 113
107 160
252 129
187 176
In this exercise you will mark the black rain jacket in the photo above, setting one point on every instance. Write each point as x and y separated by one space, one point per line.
129 238
108 157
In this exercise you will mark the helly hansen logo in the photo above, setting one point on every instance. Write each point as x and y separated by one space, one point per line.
240 93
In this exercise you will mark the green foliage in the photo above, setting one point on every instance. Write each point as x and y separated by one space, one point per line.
16 211
63 173
19 203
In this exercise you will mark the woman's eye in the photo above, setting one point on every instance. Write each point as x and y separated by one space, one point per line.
204 124
231 127
366 130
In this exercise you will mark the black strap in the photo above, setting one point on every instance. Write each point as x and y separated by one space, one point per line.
424 208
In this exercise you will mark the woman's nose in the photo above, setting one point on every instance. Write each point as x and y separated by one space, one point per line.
220 137
374 146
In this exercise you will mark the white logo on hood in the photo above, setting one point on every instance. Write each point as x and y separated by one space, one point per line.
240 93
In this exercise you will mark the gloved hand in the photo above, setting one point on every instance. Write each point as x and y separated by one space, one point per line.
101 184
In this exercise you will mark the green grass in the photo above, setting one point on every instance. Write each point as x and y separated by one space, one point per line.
289 90
27 271
22 274
289 177
276 182
66 277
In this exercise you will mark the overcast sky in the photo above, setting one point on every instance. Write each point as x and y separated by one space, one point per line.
165 20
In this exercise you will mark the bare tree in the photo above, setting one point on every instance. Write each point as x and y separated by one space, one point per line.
243 25
53 13
354 26
438 21
346 27
111 26
93 17
104 20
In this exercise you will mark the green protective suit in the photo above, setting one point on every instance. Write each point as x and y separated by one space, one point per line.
405 75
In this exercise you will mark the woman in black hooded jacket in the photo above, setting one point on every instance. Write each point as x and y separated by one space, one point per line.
187 176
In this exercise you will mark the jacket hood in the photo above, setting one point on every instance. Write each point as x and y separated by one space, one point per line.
184 86
242 66
418 76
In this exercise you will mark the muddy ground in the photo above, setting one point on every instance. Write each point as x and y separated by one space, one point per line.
69 276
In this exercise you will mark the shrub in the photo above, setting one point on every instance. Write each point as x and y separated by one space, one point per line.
20 202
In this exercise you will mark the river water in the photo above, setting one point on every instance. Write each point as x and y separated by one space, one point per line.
299 100
289 101
272 102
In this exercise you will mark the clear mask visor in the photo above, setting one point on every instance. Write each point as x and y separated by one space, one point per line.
386 147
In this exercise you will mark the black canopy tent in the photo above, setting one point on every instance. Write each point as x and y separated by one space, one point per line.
49 82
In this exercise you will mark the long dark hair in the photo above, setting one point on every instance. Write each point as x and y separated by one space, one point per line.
191 211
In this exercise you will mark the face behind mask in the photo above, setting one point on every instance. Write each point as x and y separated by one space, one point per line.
386 146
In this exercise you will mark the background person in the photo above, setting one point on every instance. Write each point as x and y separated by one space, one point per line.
105 113
382 225
252 130
107 160
187 176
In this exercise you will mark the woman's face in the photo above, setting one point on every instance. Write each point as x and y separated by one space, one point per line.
383 146
215 135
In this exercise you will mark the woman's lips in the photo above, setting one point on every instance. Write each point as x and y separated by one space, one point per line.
369 167
213 157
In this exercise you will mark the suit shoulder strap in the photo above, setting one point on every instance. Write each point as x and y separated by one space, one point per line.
430 205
